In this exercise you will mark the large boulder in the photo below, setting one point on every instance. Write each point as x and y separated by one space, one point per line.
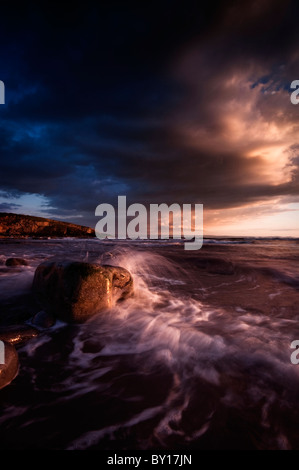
75 291
8 369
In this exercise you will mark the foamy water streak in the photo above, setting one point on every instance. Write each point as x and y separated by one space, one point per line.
194 341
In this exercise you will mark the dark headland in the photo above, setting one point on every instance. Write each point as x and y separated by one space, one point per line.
20 226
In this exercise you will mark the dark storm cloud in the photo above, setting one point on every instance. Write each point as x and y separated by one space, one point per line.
164 103
8 207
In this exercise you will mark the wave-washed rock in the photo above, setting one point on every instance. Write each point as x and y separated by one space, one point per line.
9 370
75 291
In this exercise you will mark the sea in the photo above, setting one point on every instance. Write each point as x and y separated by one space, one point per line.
199 358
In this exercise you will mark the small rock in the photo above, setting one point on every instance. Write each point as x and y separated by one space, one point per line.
43 319
9 370
16 262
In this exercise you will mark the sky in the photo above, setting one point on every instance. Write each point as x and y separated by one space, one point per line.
164 102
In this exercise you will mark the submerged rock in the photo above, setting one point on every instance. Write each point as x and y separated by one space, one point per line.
216 265
17 334
18 225
9 370
16 262
75 291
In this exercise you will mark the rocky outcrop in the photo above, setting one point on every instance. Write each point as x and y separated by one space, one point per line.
9 369
17 225
75 291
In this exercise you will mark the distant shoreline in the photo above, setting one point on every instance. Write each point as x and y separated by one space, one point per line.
22 226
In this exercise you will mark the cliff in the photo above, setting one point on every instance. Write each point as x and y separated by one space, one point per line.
17 225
